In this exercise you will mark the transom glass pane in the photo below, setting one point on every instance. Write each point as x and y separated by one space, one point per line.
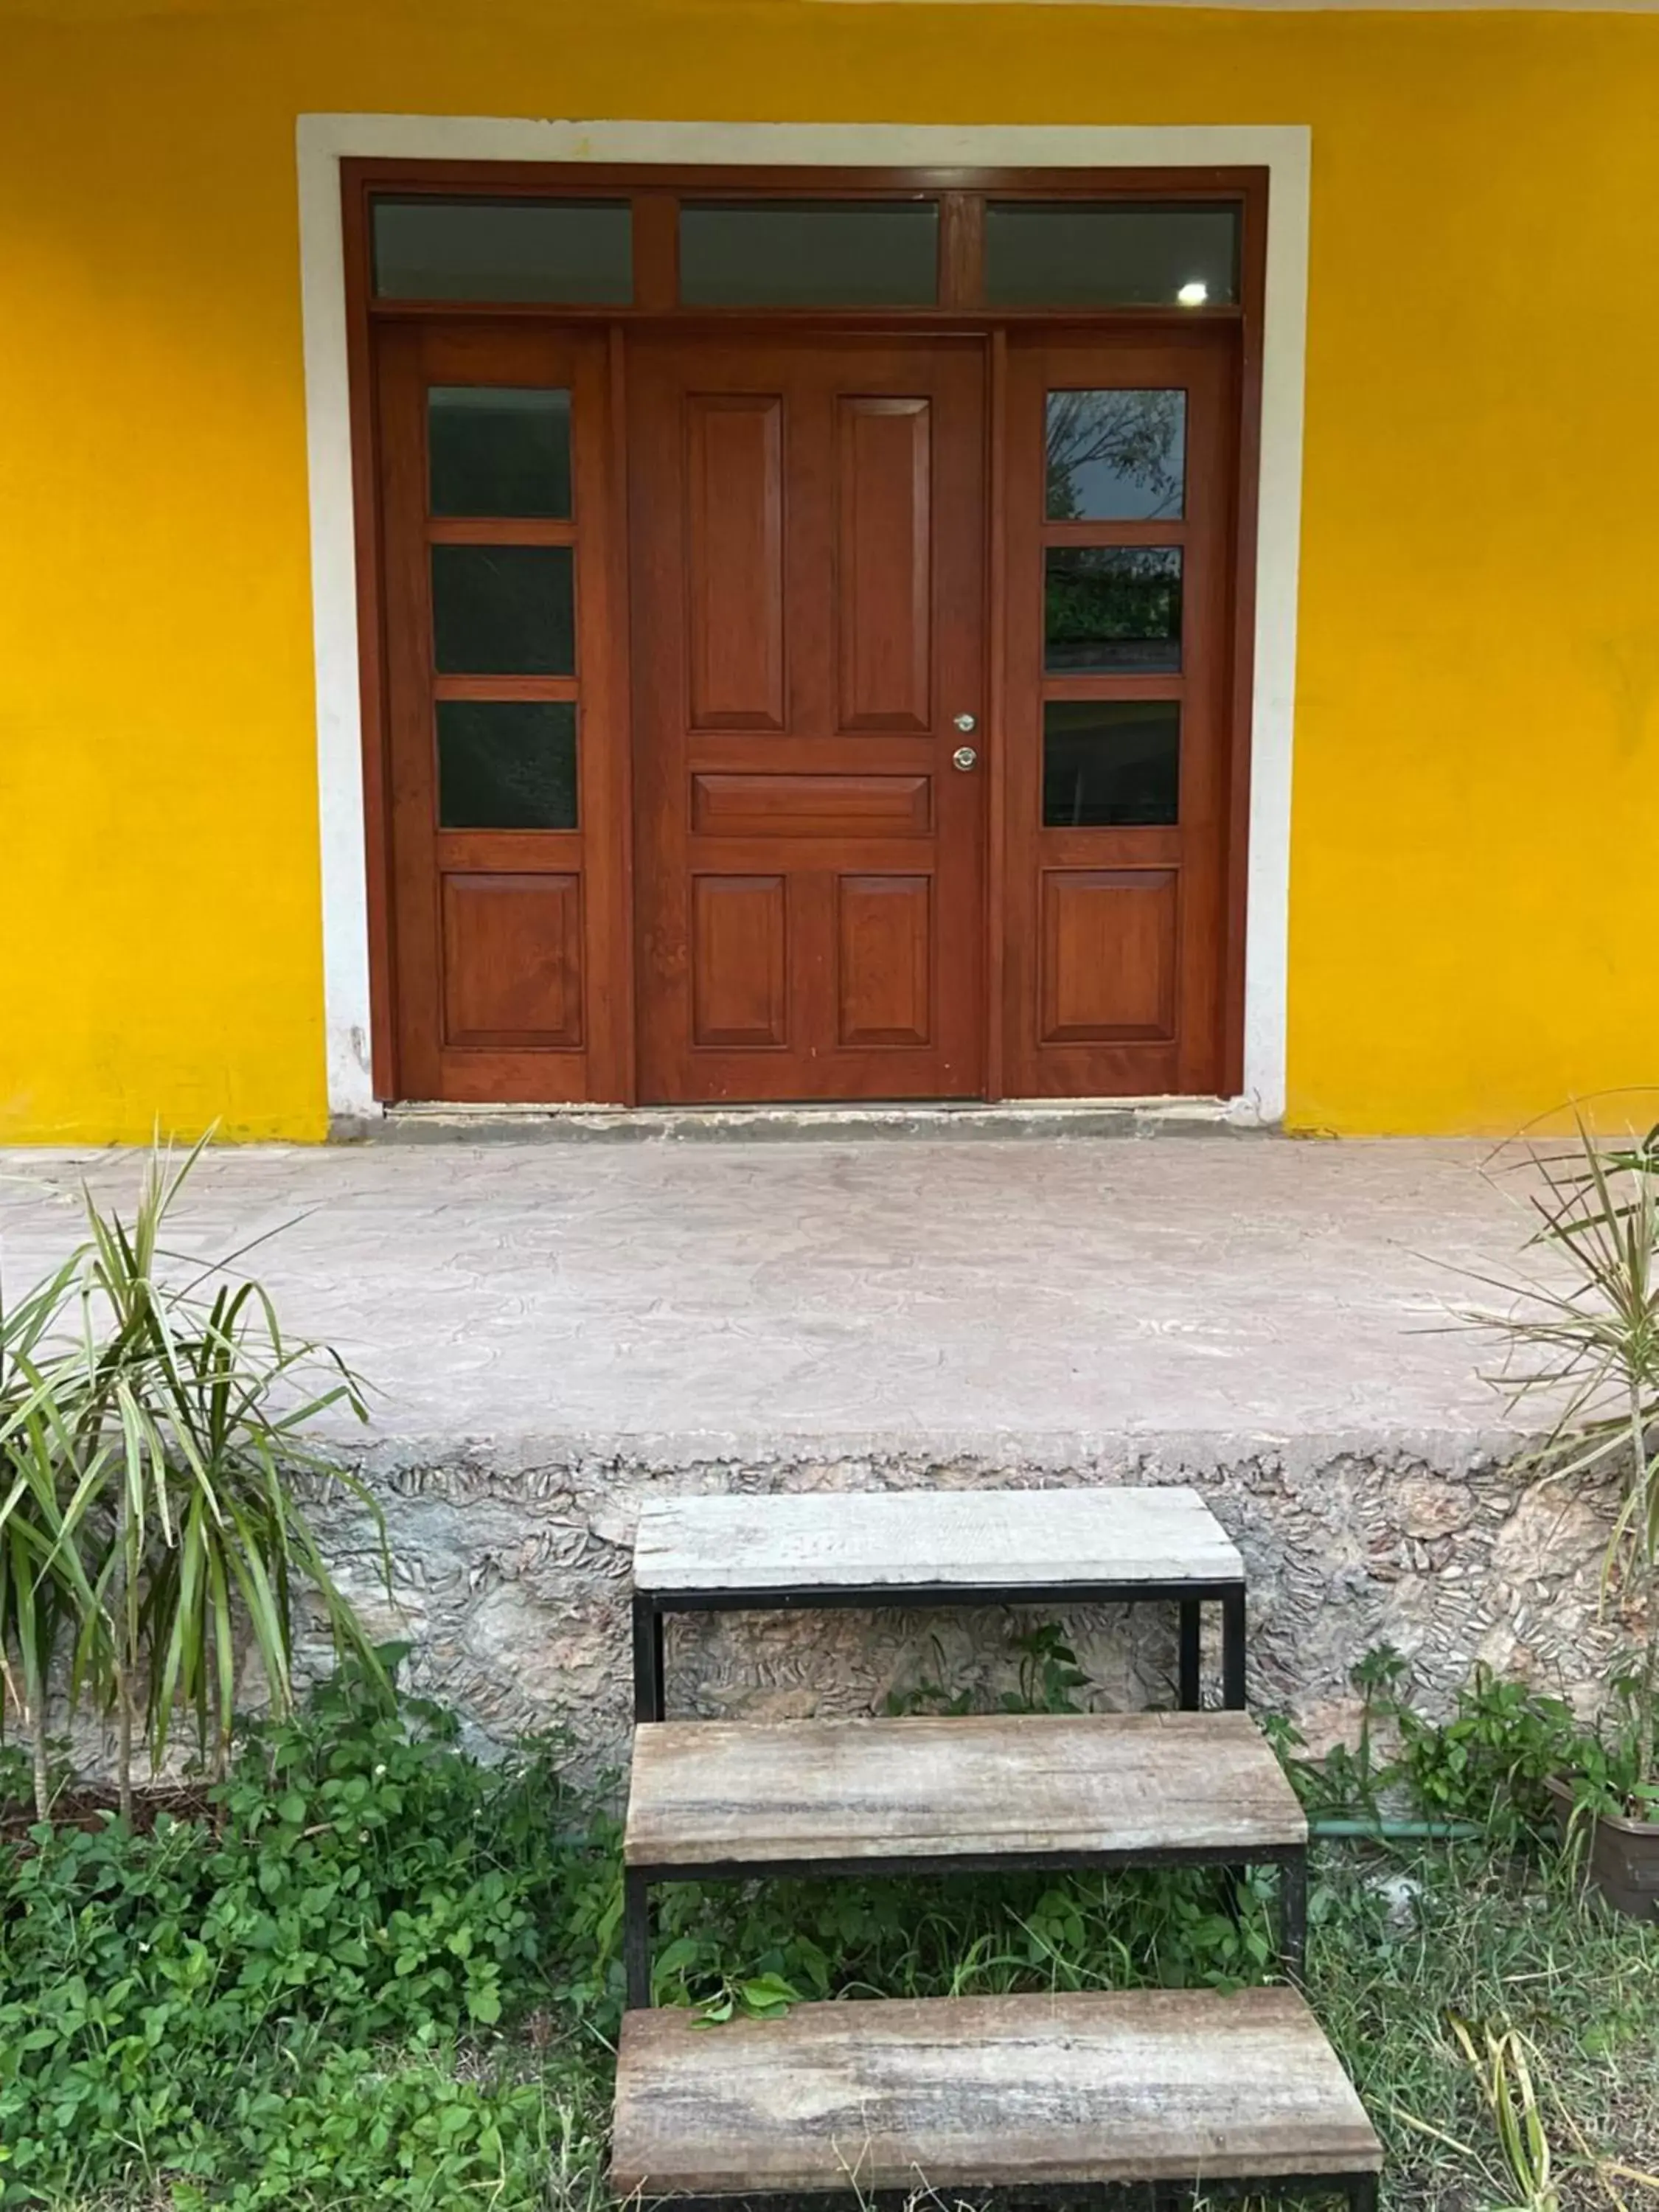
575 250
1116 456
1110 762
1112 609
809 253
506 764
1083 254
496 450
503 611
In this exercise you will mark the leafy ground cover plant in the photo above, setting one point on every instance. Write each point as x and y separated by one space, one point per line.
376 1971
1487 1766
153 1421
235 2009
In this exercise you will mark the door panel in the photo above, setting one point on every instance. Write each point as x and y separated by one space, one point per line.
884 567
1120 510
506 759
807 547
734 561
1108 957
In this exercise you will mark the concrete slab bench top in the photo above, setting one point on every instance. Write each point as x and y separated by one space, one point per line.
973 1540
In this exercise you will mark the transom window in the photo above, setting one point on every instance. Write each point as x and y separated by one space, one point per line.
854 249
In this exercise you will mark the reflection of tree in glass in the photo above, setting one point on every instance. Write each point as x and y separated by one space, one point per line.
1113 606
1116 454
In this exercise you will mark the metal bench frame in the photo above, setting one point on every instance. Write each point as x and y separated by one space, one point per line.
652 1608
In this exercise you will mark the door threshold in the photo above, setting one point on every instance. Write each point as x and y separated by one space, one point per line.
437 1121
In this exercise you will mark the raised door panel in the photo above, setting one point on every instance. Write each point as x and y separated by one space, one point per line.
735 564
739 960
1109 954
884 959
513 962
884 568
739 805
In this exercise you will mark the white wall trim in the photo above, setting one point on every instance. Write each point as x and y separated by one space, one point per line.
323 140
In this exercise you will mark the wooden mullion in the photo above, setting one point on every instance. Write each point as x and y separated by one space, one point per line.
1154 534
499 530
504 687
512 852
1109 845
1079 688
961 249
656 253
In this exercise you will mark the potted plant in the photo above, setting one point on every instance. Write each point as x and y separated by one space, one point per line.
1586 1339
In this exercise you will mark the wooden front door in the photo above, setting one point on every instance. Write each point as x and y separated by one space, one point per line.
807 527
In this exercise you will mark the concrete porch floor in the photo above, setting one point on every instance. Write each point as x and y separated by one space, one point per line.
954 1295
555 1332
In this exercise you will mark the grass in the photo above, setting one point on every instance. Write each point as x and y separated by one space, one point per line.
1494 1943
380 1975
1476 1939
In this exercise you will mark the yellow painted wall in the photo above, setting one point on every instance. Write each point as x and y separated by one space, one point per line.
1476 837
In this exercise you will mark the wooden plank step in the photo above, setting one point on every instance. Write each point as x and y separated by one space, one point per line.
976 2092
705 1794
970 1539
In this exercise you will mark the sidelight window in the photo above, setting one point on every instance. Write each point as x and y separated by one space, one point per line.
502 566
1114 587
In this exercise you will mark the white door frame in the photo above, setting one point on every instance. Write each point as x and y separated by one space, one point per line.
1283 150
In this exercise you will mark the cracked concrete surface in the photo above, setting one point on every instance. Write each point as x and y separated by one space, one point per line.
551 1331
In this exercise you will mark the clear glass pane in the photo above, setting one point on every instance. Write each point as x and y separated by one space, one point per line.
482 249
1112 609
506 764
1116 456
809 253
496 450
503 611
1109 763
1083 254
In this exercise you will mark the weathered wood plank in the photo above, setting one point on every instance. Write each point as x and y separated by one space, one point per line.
879 1540
985 2092
707 1792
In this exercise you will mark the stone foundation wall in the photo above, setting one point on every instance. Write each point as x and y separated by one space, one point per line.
510 1579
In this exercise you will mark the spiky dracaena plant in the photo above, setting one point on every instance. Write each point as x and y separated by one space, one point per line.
1585 1341
153 1426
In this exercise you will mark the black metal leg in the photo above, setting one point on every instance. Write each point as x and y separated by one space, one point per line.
1191 1621
1362 2193
636 1939
1232 1649
649 1698
1293 1916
